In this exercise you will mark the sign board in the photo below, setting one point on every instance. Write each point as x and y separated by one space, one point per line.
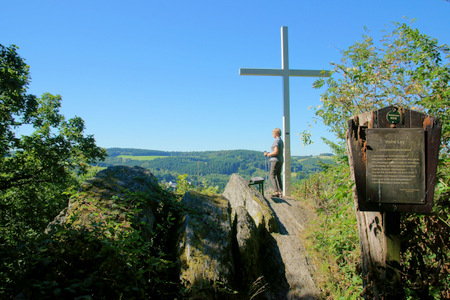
393 153
395 170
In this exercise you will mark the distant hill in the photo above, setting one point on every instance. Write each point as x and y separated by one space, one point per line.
214 167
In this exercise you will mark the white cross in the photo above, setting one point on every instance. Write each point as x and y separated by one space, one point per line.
285 72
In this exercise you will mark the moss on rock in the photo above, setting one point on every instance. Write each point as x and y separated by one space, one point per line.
205 246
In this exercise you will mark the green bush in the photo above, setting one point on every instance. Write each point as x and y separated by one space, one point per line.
116 256
425 244
412 70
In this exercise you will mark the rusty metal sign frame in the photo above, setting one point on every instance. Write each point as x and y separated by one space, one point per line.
397 119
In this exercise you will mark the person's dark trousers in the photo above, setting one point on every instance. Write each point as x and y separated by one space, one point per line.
275 175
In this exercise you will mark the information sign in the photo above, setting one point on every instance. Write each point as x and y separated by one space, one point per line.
395 170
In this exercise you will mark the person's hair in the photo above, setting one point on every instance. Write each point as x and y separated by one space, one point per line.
277 131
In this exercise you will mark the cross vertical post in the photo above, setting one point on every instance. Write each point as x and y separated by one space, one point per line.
286 113
285 72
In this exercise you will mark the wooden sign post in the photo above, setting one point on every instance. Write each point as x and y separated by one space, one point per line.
393 155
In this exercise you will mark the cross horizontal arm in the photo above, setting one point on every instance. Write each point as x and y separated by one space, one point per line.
281 72
266 72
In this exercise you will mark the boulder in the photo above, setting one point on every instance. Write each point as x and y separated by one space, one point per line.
230 246
113 241
96 200
205 246
239 193
247 258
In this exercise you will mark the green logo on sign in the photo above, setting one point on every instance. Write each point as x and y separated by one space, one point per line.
393 117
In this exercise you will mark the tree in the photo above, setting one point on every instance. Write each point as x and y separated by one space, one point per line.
406 69
36 169
411 70
54 149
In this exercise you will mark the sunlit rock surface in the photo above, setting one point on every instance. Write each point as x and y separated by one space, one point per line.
239 193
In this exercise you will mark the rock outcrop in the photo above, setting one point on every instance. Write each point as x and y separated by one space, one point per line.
268 254
115 240
239 193
100 194
292 219
205 245
247 248
238 245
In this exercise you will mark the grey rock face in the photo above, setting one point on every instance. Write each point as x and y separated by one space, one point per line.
248 243
239 193
231 246
296 267
205 246
268 254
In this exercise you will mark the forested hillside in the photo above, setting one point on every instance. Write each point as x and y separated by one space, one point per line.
211 167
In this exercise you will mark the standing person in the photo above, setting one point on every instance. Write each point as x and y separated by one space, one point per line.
276 161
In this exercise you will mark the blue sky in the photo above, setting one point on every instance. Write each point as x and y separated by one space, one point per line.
164 75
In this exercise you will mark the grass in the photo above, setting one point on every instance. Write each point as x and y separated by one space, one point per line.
332 239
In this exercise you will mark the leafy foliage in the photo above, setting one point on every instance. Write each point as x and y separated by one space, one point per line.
183 186
426 247
333 238
116 257
406 68
36 170
411 70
